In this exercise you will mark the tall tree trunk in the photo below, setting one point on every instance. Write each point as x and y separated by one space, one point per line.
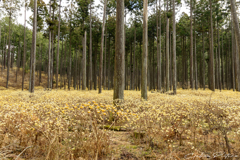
195 52
203 62
9 48
65 65
90 48
236 62
211 58
174 52
109 55
34 41
131 66
70 60
95 65
191 45
222 62
126 53
101 53
34 47
183 64
18 59
40 66
134 53
167 55
119 53
59 21
104 76
24 47
49 50
61 67
233 58
219 62
5 44
145 51
76 69
84 62
159 49
153 82
236 23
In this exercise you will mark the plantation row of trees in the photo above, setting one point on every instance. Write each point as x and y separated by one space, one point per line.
76 48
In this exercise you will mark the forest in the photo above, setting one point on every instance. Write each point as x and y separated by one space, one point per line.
119 79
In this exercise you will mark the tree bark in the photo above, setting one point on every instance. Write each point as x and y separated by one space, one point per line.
191 46
104 76
159 50
134 53
119 53
236 23
59 21
34 41
233 58
9 47
203 62
222 62
109 55
174 52
101 54
145 51
211 58
84 61
167 55
24 47
90 48
49 50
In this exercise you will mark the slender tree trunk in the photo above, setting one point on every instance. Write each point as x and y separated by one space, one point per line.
145 51
34 41
153 66
40 66
65 65
191 45
95 65
76 68
222 62
90 48
102 43
174 52
183 64
59 21
5 44
235 22
159 49
170 59
109 55
195 52
18 59
104 76
134 53
126 53
131 66
49 51
9 48
24 46
219 62
70 60
167 55
61 67
84 61
233 58
119 53
211 58
203 62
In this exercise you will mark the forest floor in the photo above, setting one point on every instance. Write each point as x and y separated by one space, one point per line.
77 125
